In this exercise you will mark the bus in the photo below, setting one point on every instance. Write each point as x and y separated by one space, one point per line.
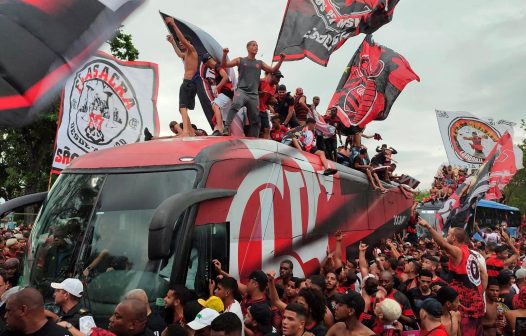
155 214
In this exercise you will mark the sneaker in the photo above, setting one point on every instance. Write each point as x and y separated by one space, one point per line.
216 133
226 131
329 171
147 135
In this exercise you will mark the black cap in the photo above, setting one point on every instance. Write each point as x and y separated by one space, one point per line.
278 74
431 306
282 87
205 57
260 277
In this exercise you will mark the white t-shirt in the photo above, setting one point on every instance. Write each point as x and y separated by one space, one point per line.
236 309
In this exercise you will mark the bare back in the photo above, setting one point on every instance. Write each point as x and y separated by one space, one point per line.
340 329
451 323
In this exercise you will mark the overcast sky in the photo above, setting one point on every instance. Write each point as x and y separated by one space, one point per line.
468 54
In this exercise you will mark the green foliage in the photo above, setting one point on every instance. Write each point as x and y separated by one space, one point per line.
515 191
421 194
122 46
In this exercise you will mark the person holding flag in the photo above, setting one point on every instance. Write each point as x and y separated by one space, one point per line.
246 94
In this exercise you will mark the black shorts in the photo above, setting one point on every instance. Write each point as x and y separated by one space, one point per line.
187 94
265 123
313 150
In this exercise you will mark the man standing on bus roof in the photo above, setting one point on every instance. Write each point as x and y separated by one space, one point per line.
247 89
186 51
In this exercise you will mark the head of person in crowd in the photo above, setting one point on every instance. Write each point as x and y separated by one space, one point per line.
174 127
412 266
286 269
226 324
129 318
213 302
430 263
174 330
331 282
388 311
316 281
349 307
370 286
257 283
501 252
430 313
276 122
490 247
310 123
456 236
67 293
259 318
448 297
504 279
139 294
178 296
292 287
25 311
275 77
315 101
294 318
520 277
252 48
227 289
386 281
282 91
203 320
4 284
425 278
444 263
313 301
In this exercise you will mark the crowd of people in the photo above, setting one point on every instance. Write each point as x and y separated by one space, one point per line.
407 285
446 181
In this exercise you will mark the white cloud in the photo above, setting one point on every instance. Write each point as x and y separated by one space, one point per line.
468 54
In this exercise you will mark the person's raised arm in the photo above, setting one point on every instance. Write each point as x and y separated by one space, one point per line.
228 64
241 286
223 81
513 259
338 250
454 252
362 262
170 22
276 67
367 136
178 51
394 251
273 293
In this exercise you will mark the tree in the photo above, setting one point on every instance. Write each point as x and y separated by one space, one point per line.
515 191
26 153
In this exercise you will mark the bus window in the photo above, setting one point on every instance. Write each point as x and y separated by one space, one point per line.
209 242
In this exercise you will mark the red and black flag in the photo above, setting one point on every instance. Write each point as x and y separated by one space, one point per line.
372 81
316 28
43 41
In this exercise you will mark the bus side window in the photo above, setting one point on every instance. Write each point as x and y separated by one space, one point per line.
210 241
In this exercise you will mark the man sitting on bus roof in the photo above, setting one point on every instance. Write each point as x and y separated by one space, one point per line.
306 141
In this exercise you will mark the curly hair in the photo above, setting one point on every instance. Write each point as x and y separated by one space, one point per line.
316 302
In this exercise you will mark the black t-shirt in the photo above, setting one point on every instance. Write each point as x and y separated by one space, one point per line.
358 161
415 296
282 109
155 323
50 329
507 299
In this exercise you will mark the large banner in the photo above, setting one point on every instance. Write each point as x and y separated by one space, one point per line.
468 140
43 41
106 103
504 168
317 28
205 43
372 81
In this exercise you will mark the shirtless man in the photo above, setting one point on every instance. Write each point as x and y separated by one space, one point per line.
349 307
448 297
247 89
356 141
490 322
186 51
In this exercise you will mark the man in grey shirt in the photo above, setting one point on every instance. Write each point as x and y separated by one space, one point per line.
248 86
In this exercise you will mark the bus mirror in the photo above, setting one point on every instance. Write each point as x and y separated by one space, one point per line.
168 212
21 201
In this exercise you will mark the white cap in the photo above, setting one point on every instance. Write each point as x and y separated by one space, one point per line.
520 273
70 285
203 319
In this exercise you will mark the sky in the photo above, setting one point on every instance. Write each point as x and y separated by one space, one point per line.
468 54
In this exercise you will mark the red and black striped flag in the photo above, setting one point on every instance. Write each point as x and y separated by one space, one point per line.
316 28
372 81
43 41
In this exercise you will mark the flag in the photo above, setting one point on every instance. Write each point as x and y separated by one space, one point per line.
43 41
321 125
105 103
468 139
503 169
316 28
205 43
344 117
372 81
461 207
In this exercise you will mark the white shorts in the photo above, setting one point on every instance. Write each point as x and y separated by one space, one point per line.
223 102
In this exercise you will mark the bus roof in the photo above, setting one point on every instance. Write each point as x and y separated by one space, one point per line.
495 205
178 151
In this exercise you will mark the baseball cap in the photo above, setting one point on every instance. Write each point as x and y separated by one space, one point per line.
431 306
203 319
213 302
205 57
260 277
11 241
278 74
70 285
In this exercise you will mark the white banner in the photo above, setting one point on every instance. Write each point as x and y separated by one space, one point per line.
468 139
106 103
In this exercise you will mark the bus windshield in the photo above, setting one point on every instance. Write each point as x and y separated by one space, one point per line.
96 226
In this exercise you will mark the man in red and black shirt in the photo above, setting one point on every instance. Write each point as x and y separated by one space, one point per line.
278 131
387 282
331 144
267 91
496 262
467 277
256 288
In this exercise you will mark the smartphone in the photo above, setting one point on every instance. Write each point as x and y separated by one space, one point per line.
520 326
